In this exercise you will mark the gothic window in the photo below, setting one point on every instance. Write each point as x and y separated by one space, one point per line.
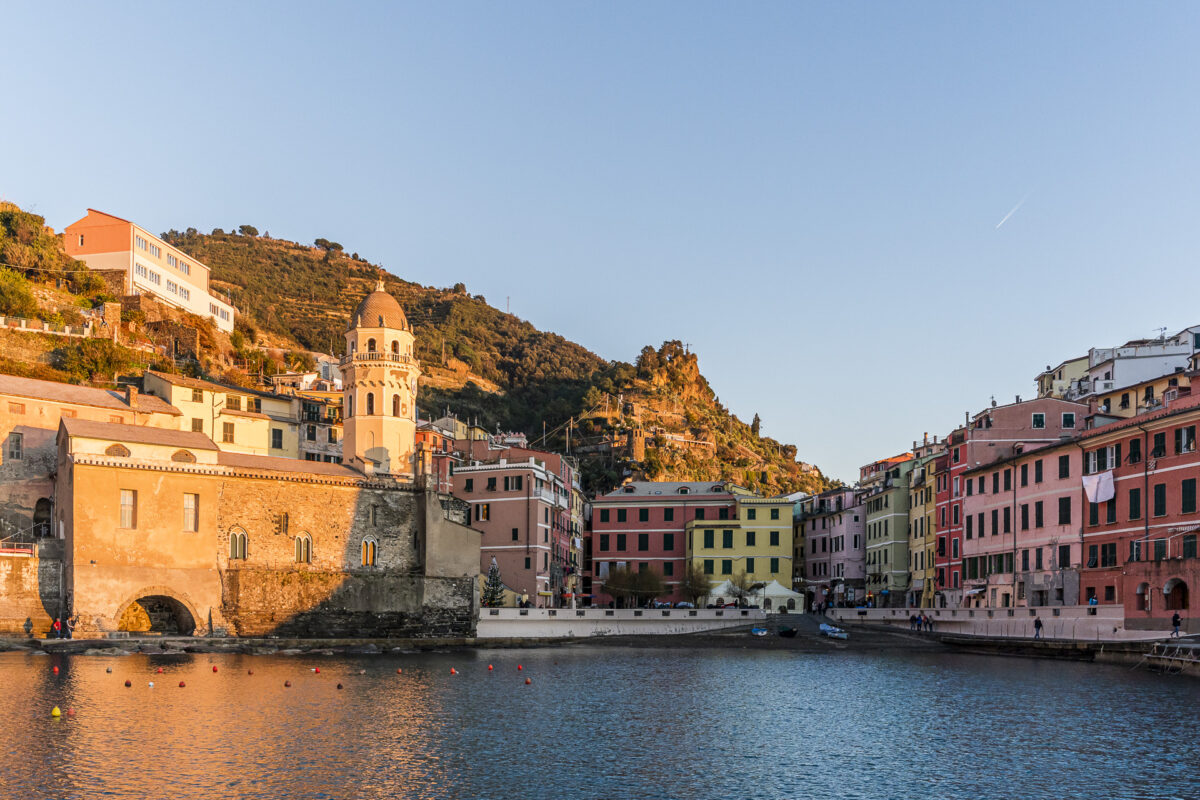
303 549
395 405
370 403
369 546
119 450
237 545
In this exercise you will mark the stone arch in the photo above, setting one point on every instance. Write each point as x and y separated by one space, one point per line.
183 457
1175 593
157 610
1142 596
41 517
119 450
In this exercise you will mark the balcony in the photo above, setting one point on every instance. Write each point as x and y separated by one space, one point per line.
376 357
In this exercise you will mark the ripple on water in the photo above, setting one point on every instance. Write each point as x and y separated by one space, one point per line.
597 722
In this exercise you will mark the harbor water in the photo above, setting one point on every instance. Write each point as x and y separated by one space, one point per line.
594 722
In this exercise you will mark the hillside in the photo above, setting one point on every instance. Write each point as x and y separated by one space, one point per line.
657 420
492 367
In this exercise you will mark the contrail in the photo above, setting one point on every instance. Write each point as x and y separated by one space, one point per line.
1015 209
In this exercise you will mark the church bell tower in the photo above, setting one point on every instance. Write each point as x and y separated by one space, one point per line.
379 388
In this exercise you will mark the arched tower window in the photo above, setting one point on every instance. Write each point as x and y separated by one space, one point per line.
237 545
396 348
395 405
370 345
370 403
369 547
303 549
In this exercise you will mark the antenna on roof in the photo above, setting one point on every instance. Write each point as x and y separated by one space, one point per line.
1162 333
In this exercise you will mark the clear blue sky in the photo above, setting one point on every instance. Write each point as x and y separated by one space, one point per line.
807 193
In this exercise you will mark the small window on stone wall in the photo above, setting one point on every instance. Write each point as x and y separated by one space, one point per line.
303 549
369 546
119 450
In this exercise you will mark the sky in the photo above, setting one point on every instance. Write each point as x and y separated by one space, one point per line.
808 194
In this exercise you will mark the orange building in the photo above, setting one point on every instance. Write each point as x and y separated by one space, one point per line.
151 266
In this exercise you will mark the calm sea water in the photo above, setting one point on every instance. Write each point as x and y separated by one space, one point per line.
596 722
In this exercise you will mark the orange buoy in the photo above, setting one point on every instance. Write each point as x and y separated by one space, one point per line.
214 667
249 672
56 670
159 671
128 684
287 684
489 667
453 671
528 681
70 712
519 668
398 670
182 684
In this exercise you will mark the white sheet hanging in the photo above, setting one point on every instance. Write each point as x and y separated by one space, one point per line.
1099 487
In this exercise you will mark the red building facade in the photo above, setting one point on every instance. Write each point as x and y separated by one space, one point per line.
643 525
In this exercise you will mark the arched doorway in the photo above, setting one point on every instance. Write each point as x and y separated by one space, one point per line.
41 517
1142 597
159 615
1176 595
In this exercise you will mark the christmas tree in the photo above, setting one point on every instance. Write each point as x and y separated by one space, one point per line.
493 589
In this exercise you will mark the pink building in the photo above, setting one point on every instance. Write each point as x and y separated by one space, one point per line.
993 434
1021 529
642 525
833 527
526 503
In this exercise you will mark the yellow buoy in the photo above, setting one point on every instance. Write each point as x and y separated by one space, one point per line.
56 712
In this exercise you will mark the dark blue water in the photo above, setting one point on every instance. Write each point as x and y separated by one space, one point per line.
596 722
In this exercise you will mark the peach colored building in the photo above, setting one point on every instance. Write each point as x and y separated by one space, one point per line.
151 266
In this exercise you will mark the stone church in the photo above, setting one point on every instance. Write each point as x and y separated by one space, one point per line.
156 529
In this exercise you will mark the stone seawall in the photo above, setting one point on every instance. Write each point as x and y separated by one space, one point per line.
31 590
317 604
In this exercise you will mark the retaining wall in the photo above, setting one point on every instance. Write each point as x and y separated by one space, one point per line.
551 623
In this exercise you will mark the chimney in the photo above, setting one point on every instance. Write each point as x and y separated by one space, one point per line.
1018 398
131 396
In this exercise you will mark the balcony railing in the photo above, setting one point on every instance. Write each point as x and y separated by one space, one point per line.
375 356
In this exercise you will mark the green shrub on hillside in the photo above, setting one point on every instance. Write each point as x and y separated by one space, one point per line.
16 295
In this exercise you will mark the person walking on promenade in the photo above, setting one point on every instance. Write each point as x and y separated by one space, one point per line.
1037 627
1175 620
929 623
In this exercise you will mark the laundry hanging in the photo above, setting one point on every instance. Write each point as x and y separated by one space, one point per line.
1099 487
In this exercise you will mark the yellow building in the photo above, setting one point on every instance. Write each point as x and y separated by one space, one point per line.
922 530
238 420
1057 381
1138 398
757 541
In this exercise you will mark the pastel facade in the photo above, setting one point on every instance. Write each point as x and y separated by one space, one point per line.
151 266
756 541
885 496
833 524
645 525
922 526
1021 544
526 505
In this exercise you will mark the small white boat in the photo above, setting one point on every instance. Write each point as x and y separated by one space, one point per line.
832 632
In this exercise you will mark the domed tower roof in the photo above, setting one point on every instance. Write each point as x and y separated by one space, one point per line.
379 310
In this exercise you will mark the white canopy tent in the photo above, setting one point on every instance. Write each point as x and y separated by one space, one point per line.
774 591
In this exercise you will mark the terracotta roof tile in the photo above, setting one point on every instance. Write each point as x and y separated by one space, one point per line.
277 464
139 434
52 391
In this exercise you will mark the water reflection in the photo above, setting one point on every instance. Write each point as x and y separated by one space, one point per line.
595 722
